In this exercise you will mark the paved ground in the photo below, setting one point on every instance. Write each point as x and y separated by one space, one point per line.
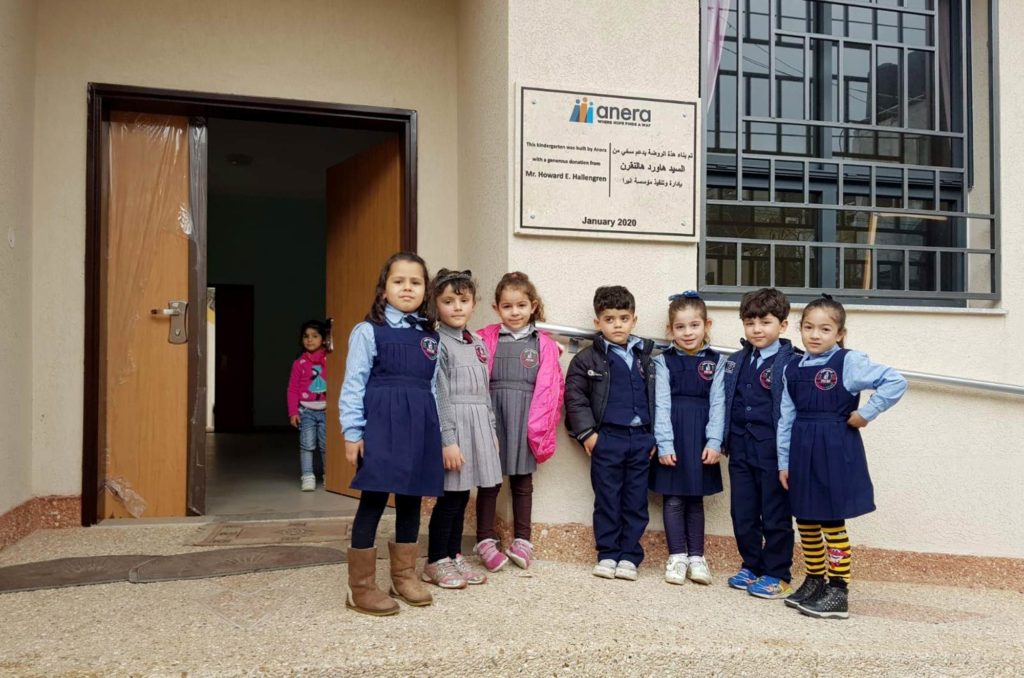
554 620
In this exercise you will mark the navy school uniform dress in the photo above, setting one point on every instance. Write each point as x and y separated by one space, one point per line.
402 448
828 468
826 456
620 462
761 517
690 380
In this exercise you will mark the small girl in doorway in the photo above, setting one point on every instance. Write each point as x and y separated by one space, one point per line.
392 435
526 391
470 445
689 407
821 455
307 404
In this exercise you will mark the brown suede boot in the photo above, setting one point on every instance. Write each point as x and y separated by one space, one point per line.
404 582
363 594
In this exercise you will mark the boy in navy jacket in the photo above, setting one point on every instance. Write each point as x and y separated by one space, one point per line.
609 409
761 519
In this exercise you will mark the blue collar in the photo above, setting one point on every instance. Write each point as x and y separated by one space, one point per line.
701 351
396 318
517 334
630 346
770 350
820 356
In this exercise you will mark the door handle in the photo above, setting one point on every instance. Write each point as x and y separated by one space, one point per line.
176 310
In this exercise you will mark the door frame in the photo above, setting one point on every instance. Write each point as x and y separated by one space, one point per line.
103 98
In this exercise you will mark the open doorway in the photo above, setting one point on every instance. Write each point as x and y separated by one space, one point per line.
284 209
267 264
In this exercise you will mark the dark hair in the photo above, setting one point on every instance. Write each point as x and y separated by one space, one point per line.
520 281
317 325
763 302
376 314
459 281
834 309
613 296
688 299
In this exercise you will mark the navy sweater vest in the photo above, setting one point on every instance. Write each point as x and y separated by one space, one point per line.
752 404
627 393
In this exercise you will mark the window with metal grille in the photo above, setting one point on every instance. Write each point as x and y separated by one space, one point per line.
840 154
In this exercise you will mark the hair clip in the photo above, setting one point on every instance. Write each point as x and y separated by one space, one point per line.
688 294
826 296
455 275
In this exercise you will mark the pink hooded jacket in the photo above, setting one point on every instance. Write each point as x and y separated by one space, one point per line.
308 380
546 406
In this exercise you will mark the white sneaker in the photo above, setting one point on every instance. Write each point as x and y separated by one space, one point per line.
308 483
698 570
605 569
625 570
675 569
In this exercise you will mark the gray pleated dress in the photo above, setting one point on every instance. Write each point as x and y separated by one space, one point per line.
516 362
462 373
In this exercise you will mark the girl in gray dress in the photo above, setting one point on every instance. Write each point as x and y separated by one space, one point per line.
468 439
526 393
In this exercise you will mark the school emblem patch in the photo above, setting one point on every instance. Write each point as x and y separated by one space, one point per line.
706 369
826 379
766 378
481 353
730 366
529 358
429 347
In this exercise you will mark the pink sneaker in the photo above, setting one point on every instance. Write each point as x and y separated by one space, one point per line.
492 558
443 574
521 553
468 572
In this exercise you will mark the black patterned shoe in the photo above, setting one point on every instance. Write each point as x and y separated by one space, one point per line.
808 591
833 604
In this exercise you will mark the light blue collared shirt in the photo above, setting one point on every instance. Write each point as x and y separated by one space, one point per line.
626 353
859 373
766 352
362 349
663 430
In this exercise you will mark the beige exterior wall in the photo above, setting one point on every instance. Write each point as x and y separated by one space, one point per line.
17 81
945 463
385 53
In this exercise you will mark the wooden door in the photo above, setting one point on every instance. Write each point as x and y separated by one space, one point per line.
144 419
364 225
233 372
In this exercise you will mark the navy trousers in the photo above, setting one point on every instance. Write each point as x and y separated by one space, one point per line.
761 519
619 468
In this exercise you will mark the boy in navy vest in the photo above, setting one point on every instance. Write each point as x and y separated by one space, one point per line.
609 408
753 386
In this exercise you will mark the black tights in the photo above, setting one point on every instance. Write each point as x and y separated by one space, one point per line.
446 523
371 508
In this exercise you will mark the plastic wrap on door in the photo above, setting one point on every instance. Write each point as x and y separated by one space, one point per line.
198 168
148 223
132 501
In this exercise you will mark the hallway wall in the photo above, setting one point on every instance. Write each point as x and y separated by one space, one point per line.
275 244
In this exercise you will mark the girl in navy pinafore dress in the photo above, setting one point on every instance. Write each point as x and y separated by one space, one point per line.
821 454
689 396
392 432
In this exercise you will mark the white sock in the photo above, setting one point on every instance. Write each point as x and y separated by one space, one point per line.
696 558
677 556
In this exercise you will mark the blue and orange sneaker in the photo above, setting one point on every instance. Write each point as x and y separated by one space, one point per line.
742 579
770 588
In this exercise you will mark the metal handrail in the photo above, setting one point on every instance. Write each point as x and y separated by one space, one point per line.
575 334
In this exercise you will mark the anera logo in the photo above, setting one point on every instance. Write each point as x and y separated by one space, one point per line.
583 111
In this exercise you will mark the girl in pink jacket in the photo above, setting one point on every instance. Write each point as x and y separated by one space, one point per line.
526 392
307 399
